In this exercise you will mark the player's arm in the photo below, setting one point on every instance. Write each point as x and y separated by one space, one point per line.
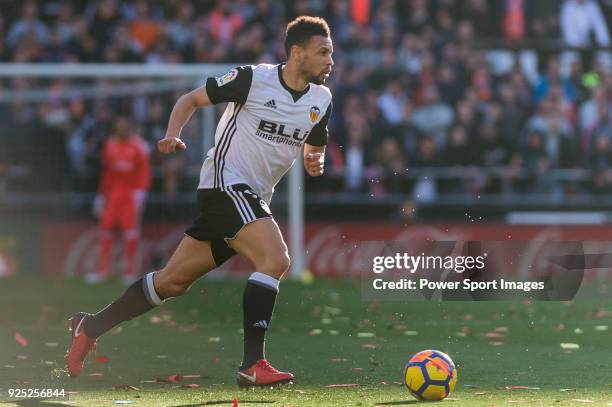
233 87
314 148
181 113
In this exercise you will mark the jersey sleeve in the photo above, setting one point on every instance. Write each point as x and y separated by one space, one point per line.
234 86
318 135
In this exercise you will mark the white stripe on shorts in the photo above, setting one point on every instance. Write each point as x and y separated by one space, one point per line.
238 205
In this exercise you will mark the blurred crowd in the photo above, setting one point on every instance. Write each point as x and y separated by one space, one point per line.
430 96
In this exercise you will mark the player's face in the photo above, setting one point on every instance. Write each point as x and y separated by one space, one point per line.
122 128
316 59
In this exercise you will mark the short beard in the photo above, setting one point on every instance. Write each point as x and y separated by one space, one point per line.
316 80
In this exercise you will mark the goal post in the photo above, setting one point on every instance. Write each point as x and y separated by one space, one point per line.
163 77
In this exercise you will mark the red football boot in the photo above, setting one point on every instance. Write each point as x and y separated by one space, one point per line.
262 373
79 348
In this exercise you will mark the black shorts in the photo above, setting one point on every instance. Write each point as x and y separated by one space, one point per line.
223 212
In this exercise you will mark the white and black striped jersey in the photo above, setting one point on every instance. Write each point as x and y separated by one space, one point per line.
263 128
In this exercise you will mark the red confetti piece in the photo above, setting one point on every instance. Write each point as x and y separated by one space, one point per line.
21 340
235 402
342 385
102 359
175 378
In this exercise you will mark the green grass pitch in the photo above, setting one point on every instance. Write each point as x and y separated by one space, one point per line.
323 333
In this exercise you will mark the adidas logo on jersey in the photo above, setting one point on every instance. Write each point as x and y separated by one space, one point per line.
261 324
271 103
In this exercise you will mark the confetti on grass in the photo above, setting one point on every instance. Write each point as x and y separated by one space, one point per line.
102 359
125 387
337 360
21 340
570 346
175 378
330 386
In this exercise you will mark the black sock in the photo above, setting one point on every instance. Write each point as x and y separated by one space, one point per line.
139 298
258 304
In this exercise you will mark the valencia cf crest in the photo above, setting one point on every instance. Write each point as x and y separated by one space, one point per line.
314 113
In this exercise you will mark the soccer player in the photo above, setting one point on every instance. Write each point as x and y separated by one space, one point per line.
274 112
125 180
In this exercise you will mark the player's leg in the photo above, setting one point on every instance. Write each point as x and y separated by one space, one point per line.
105 244
130 225
262 243
131 241
192 259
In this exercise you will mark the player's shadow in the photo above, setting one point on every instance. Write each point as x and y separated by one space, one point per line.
33 403
225 403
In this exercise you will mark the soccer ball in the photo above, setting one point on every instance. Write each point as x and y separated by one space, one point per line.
430 375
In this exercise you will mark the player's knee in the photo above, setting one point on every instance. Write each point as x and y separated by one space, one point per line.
171 289
167 286
276 265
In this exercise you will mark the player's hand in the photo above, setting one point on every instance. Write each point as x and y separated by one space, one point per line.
313 163
170 145
98 206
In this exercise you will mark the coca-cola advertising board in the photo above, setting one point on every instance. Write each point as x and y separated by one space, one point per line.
332 250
